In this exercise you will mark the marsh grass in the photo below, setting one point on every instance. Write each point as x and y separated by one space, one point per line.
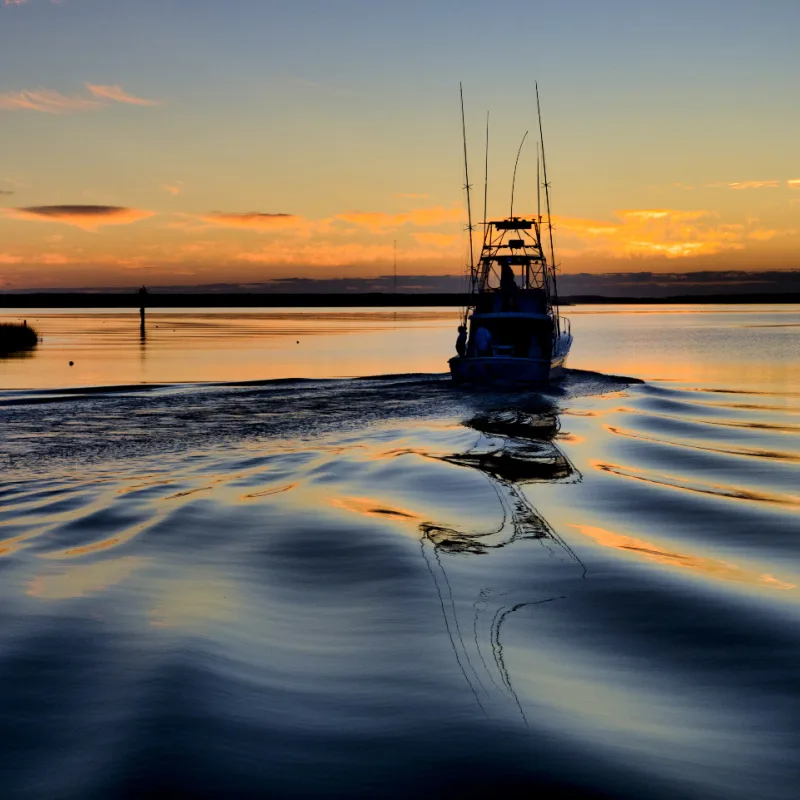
16 336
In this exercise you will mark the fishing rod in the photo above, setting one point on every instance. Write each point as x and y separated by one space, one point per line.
547 203
514 177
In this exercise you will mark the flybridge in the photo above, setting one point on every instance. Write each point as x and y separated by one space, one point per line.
514 241
509 243
513 224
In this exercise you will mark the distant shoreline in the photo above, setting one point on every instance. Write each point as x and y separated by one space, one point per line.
355 300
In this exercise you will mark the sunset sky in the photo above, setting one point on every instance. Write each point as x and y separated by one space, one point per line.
191 142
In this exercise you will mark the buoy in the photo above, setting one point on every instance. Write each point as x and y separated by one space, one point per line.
71 363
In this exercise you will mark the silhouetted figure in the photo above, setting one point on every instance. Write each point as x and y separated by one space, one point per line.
508 286
535 350
483 342
461 342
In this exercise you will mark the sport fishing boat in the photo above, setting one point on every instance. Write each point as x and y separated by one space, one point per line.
515 334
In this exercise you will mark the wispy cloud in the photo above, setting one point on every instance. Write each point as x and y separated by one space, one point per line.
252 220
51 102
6 192
14 2
765 234
173 188
412 196
754 185
330 254
438 240
38 258
675 185
54 259
46 101
738 185
118 95
374 222
88 218
380 222
794 183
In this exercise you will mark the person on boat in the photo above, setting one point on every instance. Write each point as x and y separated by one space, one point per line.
483 342
461 342
508 286
535 350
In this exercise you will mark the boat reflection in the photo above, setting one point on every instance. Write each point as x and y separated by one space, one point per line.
515 448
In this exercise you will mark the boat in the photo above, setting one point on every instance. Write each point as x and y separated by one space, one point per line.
512 333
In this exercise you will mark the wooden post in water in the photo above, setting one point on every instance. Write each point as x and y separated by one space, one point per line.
142 306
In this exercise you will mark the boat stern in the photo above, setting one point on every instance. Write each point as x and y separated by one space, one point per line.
501 370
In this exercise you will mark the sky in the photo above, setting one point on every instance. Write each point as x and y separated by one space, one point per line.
187 142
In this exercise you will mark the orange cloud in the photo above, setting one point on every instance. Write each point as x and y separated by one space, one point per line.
319 253
765 234
645 215
253 220
89 218
665 232
375 222
41 258
54 259
380 222
442 240
745 185
173 188
754 185
794 183
118 95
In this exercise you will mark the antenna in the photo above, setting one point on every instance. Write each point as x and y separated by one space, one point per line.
467 186
514 179
547 199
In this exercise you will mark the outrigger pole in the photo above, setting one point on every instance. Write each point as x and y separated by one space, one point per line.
486 178
468 188
547 202
538 186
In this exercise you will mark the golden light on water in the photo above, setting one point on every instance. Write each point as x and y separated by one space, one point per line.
661 554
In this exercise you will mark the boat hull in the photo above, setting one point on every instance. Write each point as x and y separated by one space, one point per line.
501 370
505 370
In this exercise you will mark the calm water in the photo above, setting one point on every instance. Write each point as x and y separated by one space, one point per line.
386 586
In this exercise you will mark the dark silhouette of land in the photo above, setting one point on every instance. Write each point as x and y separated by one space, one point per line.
73 300
15 337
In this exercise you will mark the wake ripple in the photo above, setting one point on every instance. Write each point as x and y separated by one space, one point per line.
390 586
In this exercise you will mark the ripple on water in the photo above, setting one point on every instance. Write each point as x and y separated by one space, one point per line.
591 589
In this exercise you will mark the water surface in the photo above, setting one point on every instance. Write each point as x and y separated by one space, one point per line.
387 585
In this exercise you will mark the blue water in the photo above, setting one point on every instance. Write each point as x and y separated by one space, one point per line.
393 587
